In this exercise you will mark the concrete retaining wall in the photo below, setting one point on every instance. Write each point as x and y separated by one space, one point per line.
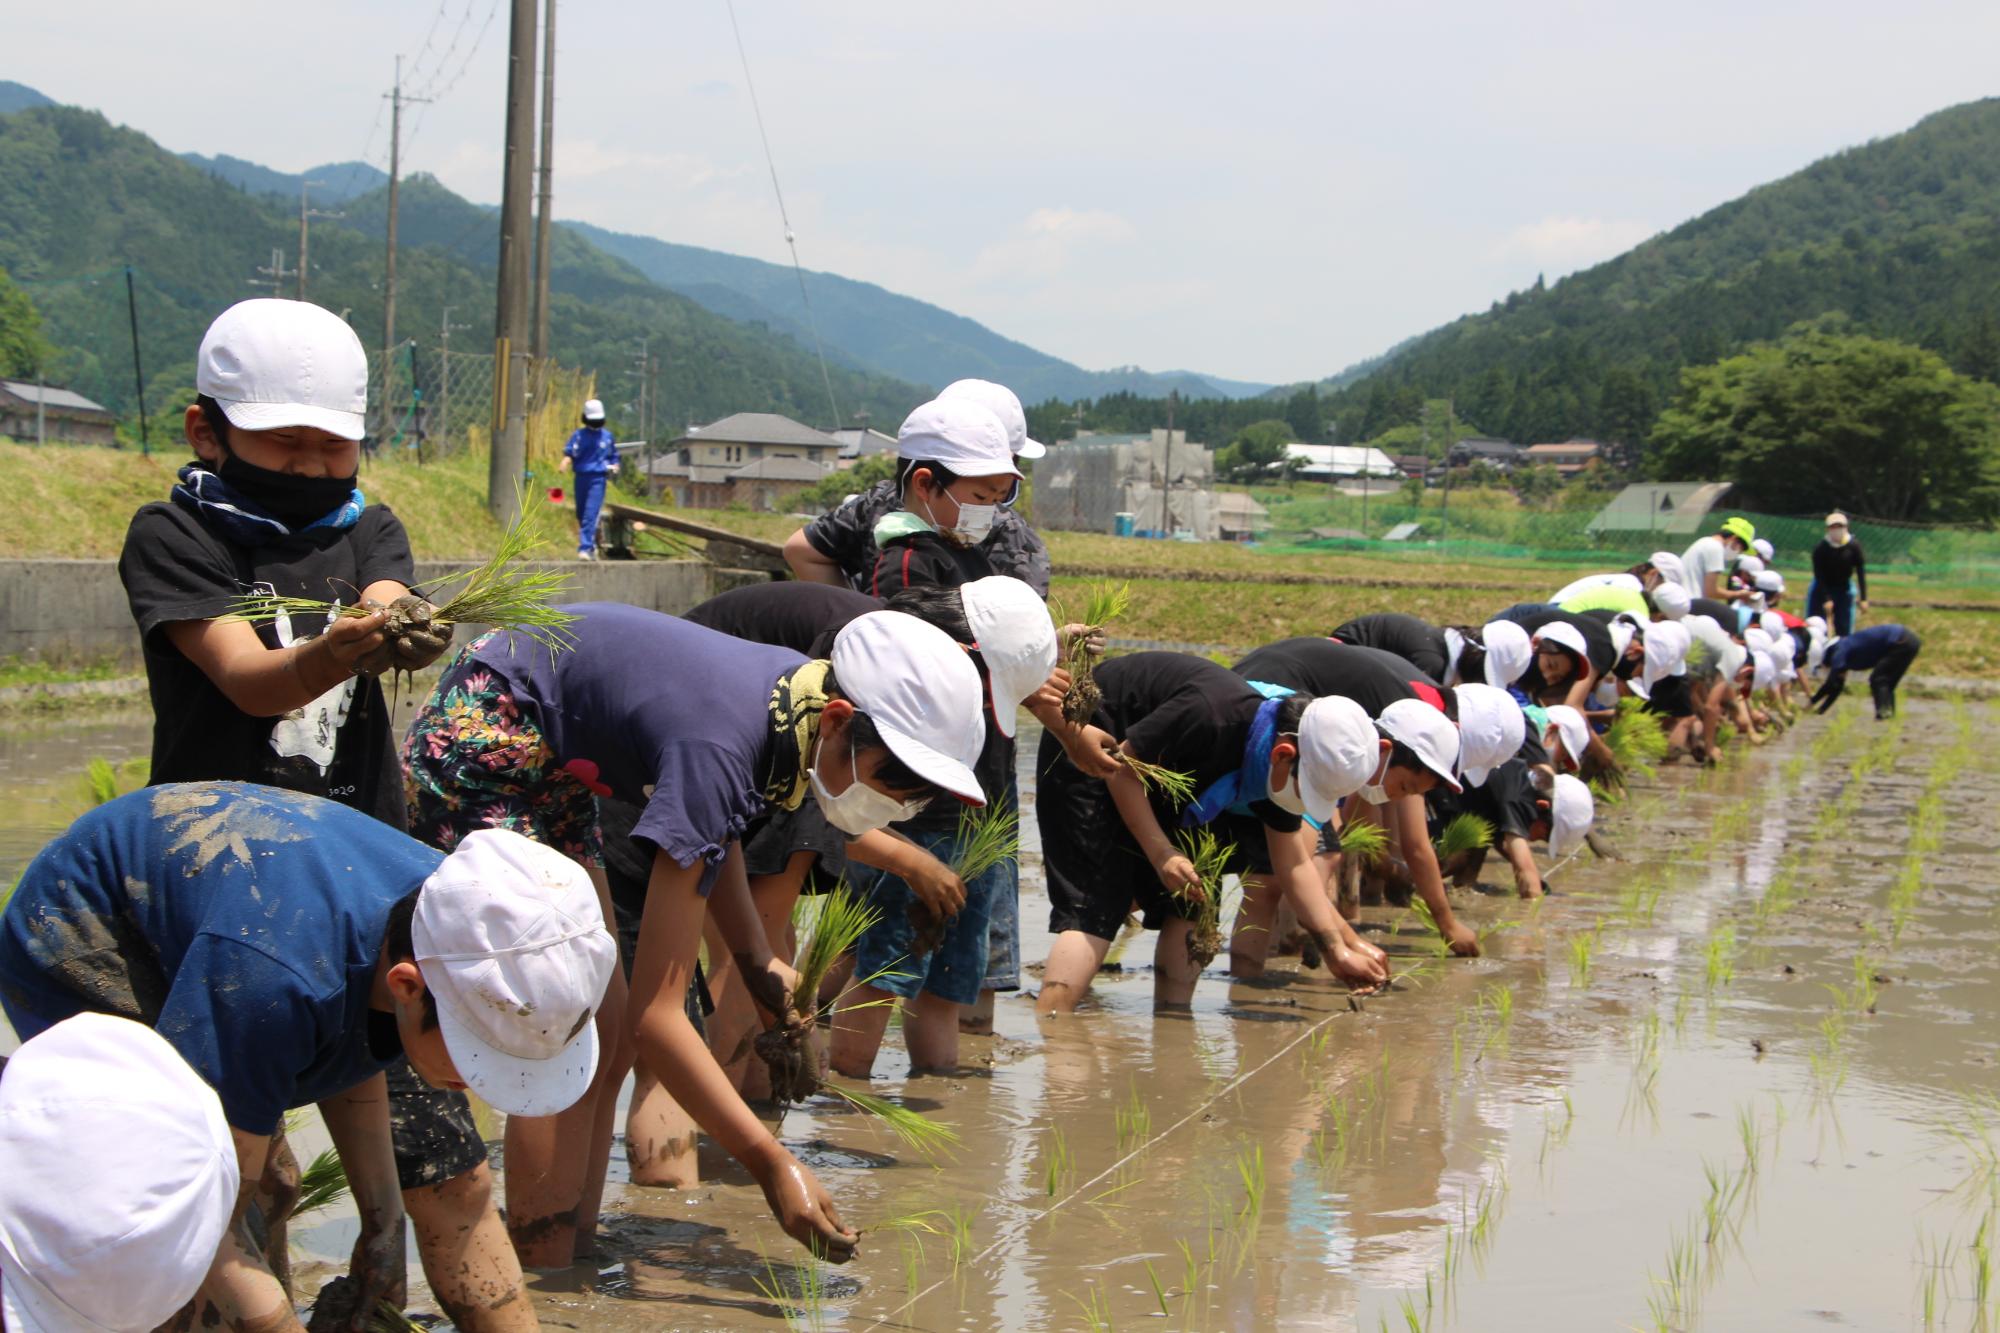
72 611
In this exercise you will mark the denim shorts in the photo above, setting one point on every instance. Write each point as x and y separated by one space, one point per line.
956 968
1003 933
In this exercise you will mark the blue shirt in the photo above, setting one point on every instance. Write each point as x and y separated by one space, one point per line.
591 449
242 922
656 712
1864 648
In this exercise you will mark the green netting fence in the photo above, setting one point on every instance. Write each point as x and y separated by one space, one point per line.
1474 530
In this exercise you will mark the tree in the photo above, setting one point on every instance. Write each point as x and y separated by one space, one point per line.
1303 413
1827 420
23 350
1255 449
1537 484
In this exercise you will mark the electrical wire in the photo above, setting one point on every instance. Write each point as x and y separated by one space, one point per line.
417 64
791 239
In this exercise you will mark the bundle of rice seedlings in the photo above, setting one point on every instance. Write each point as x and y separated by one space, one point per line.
1211 862
1176 786
1635 738
987 835
1466 833
499 592
1105 604
828 927
922 1134
1363 841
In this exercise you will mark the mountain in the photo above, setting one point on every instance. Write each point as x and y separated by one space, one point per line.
20 97
1899 238
334 183
868 326
81 198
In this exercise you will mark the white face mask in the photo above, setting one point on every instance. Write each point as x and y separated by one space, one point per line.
860 809
1375 795
1290 798
975 522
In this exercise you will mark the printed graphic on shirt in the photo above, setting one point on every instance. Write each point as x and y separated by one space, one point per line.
310 732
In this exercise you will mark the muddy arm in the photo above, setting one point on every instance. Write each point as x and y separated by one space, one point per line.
767 977
1090 748
1421 858
929 878
1527 875
1292 863
358 1122
270 682
1129 795
240 1291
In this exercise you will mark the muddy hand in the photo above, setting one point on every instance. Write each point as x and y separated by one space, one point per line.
805 1210
1090 638
772 985
1464 942
1093 751
353 640
939 889
379 1267
418 637
1358 970
1178 874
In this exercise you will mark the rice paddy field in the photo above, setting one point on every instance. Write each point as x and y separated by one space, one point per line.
1742 1078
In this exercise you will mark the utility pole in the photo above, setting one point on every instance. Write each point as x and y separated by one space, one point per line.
643 364
396 100
138 375
511 332
306 214
274 273
543 169
1167 467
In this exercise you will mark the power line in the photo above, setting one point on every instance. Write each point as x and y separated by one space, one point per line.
457 35
432 93
791 239
436 19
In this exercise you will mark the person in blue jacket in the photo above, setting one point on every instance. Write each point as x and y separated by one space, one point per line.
1885 650
592 454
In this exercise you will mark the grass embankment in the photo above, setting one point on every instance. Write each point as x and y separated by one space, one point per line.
76 502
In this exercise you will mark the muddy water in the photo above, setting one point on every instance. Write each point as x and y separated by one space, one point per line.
1661 1100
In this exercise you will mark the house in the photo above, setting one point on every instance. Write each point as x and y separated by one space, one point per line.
32 412
1569 457
755 459
1414 465
1332 462
1238 517
1493 453
859 442
1157 483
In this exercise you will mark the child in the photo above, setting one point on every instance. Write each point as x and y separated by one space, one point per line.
592 455
954 471
1105 844
151 1194
1656 570
271 505
290 949
705 732
1705 564
1888 649
1496 653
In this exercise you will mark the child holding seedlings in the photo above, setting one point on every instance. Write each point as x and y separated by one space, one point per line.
1496 652
591 455
270 505
1196 742
704 732
1419 748
1705 565
1522 803
955 470
290 949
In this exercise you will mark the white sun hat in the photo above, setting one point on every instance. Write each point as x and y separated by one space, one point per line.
1671 600
272 364
957 433
511 941
118 1176
1749 566
922 692
1015 638
1508 652
1003 403
593 411
1666 655
1571 729
1427 731
1338 751
1572 810
1765 551
1491 729
1670 566
1567 635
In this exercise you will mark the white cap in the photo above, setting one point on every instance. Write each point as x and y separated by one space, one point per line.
1774 625
1671 600
1508 652
117 1179
1622 631
1816 624
593 410
1491 728
1666 655
1571 729
1756 638
960 434
272 364
511 940
1015 638
1338 751
1770 580
1765 674
1572 809
1670 566
1002 402
921 691
1566 634
1749 566
1763 547
1427 731
1836 518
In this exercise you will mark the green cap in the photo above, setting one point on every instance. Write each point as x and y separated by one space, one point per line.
1740 527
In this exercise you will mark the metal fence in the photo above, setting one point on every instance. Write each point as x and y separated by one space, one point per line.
429 403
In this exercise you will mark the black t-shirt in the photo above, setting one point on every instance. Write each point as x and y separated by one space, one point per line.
1507 801
1596 633
1372 678
1417 642
1833 566
175 568
1183 712
1721 612
803 617
846 536
926 560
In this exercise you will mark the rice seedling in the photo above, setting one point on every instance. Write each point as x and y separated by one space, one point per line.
322 1184
1096 1310
1250 1170
1467 833
1635 738
919 1132
987 835
502 592
1211 858
798 1291
828 926
1133 1121
1060 1168
1363 840
1159 1291
1719 959
1582 947
1104 604
1433 937
1176 786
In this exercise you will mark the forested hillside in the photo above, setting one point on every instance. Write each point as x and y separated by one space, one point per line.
81 198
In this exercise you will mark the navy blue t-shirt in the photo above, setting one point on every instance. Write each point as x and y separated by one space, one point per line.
243 922
1864 648
665 714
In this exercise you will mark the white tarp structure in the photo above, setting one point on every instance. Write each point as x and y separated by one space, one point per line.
1327 462
1083 485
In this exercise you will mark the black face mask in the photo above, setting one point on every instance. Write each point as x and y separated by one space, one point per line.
293 500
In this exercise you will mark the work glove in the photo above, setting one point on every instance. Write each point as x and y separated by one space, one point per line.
1836 681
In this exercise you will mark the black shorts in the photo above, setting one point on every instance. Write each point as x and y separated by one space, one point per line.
431 1128
770 842
1673 696
1095 870
1246 834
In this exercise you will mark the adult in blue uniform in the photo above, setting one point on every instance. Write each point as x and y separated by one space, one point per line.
1886 651
592 455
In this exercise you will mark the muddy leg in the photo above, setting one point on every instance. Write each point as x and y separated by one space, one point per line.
930 1033
1250 940
734 1022
471 1265
660 1137
1074 958
976 1020
277 1195
858 1025
1174 973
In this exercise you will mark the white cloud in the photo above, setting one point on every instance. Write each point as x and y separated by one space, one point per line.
1564 244
1041 246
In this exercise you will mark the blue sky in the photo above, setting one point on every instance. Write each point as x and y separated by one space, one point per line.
1266 191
